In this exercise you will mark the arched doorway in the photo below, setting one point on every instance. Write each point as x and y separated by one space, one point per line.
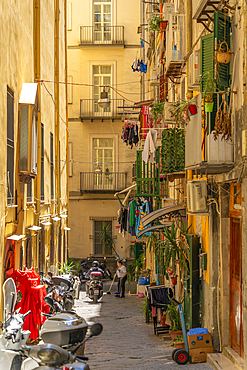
9 258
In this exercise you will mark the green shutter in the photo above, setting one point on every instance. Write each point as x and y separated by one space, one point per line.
222 25
207 55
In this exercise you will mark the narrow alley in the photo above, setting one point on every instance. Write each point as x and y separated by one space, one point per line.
126 342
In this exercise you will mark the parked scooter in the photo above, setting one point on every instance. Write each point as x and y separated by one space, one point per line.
94 287
107 272
12 336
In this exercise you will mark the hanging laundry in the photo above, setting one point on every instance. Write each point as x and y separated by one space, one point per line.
150 146
130 134
142 209
139 66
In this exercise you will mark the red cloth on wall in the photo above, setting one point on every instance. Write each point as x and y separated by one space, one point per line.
28 282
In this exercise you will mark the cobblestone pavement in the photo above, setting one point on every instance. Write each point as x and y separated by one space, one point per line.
126 342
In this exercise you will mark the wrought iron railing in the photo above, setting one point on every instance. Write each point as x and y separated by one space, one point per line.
98 35
102 181
90 108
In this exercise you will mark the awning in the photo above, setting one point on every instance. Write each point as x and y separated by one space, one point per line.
152 228
34 228
29 94
16 237
66 228
56 218
161 212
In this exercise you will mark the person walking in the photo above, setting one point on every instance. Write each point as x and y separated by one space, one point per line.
121 273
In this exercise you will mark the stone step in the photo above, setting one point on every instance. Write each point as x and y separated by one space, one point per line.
219 361
234 357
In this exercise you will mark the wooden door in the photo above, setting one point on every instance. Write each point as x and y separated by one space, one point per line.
236 321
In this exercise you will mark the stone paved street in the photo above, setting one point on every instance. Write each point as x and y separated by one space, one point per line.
126 342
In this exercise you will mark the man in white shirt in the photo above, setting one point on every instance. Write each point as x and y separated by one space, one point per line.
121 273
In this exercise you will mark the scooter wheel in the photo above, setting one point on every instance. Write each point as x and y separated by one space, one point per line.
181 357
95 299
173 353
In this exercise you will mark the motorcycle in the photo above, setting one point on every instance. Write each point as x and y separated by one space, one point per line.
83 271
94 287
107 272
15 355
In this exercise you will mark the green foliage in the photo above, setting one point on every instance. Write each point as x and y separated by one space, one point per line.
66 268
175 249
177 108
208 85
154 22
178 339
173 315
106 238
156 111
134 268
172 150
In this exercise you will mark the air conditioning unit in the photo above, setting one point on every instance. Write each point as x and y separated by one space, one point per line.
194 71
167 114
168 8
154 77
197 197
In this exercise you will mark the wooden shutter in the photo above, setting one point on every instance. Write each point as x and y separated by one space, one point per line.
222 25
207 56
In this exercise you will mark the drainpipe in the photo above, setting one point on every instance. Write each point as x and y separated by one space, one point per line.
37 76
56 95
67 133
188 39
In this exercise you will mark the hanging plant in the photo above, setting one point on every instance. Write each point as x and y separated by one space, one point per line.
223 122
156 112
209 86
180 110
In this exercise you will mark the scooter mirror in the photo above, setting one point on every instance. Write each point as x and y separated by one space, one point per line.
96 329
49 301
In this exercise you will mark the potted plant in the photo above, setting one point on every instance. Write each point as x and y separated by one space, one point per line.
156 111
179 342
174 317
182 110
67 268
209 87
157 23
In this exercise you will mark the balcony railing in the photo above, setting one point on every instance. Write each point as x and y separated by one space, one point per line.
89 108
202 153
101 35
102 182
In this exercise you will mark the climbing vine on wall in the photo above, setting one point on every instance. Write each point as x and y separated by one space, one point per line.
173 150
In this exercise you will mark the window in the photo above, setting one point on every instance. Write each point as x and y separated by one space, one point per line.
51 166
103 154
29 106
10 145
99 249
70 153
29 191
42 192
102 20
102 75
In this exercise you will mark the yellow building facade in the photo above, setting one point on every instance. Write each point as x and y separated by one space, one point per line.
33 135
102 45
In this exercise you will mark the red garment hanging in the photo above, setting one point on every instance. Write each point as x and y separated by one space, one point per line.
28 283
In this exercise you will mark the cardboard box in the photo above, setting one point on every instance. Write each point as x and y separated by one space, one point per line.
200 341
200 354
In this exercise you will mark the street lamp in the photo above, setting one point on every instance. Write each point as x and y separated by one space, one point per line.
104 101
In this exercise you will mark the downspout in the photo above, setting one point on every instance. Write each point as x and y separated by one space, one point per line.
37 77
188 40
67 133
56 89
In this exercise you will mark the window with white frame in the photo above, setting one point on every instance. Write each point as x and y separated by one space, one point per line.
103 157
102 18
102 75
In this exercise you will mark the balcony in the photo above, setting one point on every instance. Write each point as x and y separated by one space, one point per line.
102 35
89 109
103 182
175 45
203 154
